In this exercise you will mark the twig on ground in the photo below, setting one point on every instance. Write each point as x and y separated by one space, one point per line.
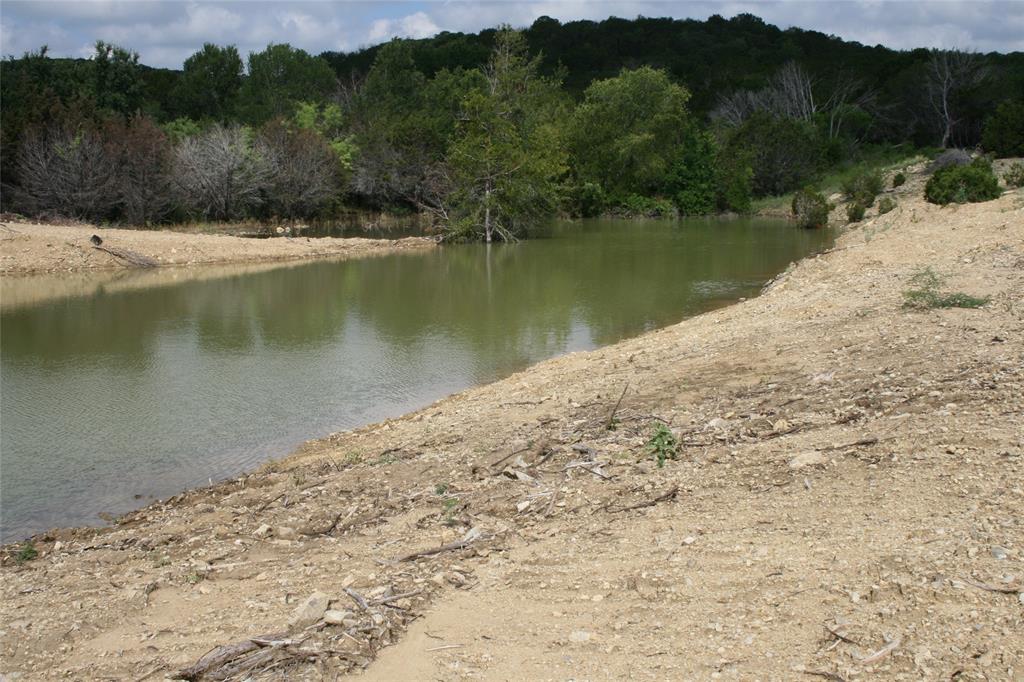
469 538
664 497
881 653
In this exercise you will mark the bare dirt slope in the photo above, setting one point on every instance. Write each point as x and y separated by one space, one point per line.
27 248
846 504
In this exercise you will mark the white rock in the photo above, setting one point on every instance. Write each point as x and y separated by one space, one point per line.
309 611
804 459
579 636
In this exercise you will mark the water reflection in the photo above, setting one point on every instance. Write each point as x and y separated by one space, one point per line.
144 391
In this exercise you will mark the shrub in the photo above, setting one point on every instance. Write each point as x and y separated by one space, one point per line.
663 444
587 199
810 209
634 205
885 205
302 171
963 184
782 153
898 180
1014 176
1004 130
143 156
863 187
27 552
855 212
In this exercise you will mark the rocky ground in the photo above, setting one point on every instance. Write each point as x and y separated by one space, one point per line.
29 248
841 499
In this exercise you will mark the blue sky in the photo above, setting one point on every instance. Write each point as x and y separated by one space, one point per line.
165 32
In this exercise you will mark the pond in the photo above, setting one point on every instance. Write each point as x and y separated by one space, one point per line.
117 393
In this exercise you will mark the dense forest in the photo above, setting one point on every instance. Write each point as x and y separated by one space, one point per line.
487 132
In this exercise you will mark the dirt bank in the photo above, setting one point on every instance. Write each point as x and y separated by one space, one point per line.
846 504
27 248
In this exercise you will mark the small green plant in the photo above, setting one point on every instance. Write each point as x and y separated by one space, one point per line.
194 577
898 180
352 458
448 511
27 552
440 488
1014 176
926 293
963 184
855 212
385 459
885 205
662 444
810 209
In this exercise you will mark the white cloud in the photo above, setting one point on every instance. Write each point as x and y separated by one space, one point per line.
418 25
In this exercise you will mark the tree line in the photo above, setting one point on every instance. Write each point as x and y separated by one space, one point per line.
486 132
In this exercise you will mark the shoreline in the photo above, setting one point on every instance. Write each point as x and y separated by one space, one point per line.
28 249
808 418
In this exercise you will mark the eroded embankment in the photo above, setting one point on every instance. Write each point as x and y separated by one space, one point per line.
845 503
28 248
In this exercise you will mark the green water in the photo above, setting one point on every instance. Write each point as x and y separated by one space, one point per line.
113 398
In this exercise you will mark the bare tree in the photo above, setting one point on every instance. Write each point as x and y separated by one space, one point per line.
220 173
143 155
949 72
302 170
67 169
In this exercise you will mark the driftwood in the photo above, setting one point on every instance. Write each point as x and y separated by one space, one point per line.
225 655
468 539
136 259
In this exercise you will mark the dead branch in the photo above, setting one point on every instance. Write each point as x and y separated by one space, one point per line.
136 259
611 417
223 655
468 539
881 653
664 497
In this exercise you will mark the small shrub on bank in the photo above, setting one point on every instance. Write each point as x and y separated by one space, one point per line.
886 205
926 293
662 444
863 187
1014 177
27 552
898 180
810 209
637 206
855 212
963 184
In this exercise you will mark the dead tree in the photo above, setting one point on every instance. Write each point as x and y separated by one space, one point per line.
949 72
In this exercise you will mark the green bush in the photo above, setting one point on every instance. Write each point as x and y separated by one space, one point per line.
810 209
1014 177
885 205
963 184
1004 130
855 212
898 180
634 205
782 153
863 187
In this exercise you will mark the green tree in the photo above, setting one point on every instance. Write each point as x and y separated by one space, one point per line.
506 156
117 79
210 82
1004 130
627 131
280 76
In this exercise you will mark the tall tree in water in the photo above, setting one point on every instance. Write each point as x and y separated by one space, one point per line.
507 155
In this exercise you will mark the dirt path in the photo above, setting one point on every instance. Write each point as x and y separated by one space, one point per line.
846 504
28 248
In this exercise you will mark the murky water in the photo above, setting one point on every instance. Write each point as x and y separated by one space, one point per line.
118 389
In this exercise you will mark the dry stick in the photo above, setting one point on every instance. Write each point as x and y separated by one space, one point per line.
446 646
357 598
334 524
994 588
881 653
870 440
670 495
611 417
826 674
508 456
395 597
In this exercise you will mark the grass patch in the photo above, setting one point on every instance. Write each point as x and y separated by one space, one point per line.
926 293
27 552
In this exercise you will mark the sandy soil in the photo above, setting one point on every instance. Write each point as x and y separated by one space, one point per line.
846 505
28 248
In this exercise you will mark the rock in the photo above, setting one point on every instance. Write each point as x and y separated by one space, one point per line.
805 459
718 423
999 552
689 540
263 531
334 617
579 636
309 611
285 533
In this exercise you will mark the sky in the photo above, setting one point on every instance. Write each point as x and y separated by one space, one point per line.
166 32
